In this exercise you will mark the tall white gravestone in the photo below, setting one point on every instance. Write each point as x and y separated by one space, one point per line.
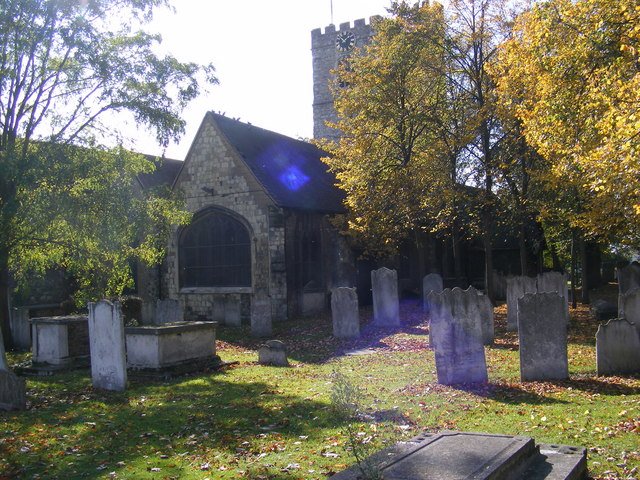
542 332
107 343
386 305
344 313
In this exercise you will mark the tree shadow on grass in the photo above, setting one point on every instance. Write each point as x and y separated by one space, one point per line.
95 431
511 393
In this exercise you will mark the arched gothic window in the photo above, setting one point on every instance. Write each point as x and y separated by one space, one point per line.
215 251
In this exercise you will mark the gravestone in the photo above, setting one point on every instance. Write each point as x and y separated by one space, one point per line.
273 352
106 337
344 313
20 328
430 283
148 312
628 279
456 335
542 332
549 282
12 388
261 315
485 308
168 310
232 316
516 288
386 305
630 306
617 348
472 456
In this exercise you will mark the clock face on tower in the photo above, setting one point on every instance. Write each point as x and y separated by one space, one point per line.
345 41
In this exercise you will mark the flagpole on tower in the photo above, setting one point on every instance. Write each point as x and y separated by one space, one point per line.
331 1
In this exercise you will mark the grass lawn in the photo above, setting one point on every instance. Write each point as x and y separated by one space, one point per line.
259 422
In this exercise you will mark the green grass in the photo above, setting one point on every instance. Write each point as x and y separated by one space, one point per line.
259 422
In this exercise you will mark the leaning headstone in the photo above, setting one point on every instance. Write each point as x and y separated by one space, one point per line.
273 352
617 348
344 312
261 315
168 310
20 328
386 306
106 337
549 282
430 283
630 303
516 288
12 388
456 336
542 332
485 308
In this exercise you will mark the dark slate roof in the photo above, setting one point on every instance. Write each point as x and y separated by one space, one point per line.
165 173
290 170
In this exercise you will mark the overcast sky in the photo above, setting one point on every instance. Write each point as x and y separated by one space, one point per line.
262 54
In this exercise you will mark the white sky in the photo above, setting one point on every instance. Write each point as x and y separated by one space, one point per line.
262 53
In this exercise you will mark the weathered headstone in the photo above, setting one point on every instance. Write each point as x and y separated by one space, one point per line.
273 352
456 335
106 337
542 332
344 312
261 315
20 328
516 288
617 348
168 310
430 283
386 305
630 303
628 279
549 282
12 388
148 312
485 308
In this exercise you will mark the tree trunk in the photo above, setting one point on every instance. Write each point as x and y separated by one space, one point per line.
487 236
557 266
573 269
584 271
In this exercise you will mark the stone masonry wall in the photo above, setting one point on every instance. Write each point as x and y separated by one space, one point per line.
214 176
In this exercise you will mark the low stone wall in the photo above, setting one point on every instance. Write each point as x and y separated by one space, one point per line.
158 346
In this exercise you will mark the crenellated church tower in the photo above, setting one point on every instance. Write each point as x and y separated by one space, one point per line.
328 49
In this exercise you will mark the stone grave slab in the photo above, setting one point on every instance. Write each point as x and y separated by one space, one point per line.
487 321
108 354
273 352
261 323
12 391
617 348
516 288
386 305
473 456
542 333
344 313
456 336
20 328
430 283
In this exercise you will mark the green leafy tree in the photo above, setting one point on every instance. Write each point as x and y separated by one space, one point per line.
65 199
570 75
389 100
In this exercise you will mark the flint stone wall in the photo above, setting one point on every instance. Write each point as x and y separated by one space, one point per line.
456 335
542 332
386 305
617 348
344 313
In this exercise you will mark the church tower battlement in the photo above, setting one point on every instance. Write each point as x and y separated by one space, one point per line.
328 48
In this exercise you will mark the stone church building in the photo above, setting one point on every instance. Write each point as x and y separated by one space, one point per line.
260 243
